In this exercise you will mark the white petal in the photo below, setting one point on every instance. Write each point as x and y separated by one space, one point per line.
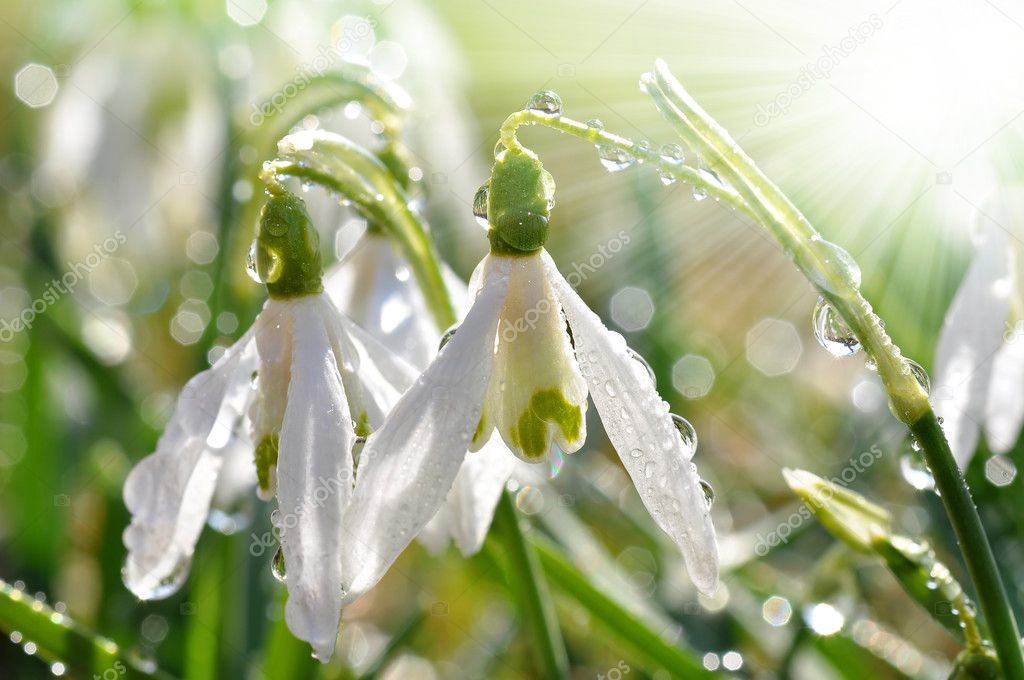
435 534
314 471
408 466
638 424
374 287
168 493
971 335
476 491
536 393
273 332
1005 408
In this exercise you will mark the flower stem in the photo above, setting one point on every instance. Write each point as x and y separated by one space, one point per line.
970 533
835 281
532 590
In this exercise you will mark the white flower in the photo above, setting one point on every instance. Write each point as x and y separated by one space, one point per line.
513 367
374 288
979 362
320 383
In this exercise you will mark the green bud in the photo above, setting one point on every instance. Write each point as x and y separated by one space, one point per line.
287 249
847 515
519 201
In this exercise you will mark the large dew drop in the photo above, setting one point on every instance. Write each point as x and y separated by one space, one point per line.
480 205
833 257
166 586
921 375
832 332
643 362
277 567
687 433
614 159
546 102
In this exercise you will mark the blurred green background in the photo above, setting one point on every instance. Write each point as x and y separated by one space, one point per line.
888 123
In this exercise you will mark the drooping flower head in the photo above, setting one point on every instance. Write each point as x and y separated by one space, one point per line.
304 384
514 367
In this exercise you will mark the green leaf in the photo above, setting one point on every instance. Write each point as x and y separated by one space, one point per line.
59 639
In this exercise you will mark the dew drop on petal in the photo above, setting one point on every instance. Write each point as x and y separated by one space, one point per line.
687 433
546 102
832 332
709 493
643 362
277 565
447 336
480 205
169 584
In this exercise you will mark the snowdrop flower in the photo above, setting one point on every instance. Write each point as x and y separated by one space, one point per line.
304 384
373 287
512 367
979 362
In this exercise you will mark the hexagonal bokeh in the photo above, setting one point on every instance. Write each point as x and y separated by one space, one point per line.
246 12
693 376
1000 470
201 247
774 347
35 85
632 308
113 281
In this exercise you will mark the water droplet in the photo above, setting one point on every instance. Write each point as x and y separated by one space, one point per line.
709 493
277 565
922 375
262 264
836 257
870 364
644 148
699 193
609 388
636 453
250 263
687 433
306 185
166 586
914 444
499 148
615 159
546 102
672 154
596 123
447 336
480 205
916 473
832 332
643 362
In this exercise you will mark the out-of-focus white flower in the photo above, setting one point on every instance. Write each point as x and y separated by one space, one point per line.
979 362
513 367
373 287
320 385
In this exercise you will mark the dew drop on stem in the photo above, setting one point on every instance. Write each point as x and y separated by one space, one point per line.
614 159
545 102
831 331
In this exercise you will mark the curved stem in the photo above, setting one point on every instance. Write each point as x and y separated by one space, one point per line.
643 155
970 534
343 167
834 279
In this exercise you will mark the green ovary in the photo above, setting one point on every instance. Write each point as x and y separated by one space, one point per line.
546 406
266 460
